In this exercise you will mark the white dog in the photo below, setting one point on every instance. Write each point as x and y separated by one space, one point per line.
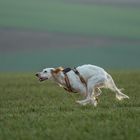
86 80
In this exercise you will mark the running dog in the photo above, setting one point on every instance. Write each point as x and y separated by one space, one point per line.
86 80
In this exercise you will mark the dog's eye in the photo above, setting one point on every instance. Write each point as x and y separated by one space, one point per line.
45 71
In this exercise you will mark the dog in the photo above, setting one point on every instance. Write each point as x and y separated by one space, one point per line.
86 80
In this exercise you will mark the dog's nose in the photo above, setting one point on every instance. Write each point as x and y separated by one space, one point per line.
37 74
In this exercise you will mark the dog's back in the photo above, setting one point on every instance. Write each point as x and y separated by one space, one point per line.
88 71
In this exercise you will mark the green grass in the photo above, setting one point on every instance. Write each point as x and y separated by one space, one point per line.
60 16
30 110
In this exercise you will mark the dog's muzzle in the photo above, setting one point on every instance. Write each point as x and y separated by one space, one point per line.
40 78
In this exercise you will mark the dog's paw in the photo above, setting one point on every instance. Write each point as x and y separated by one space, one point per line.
81 103
94 101
78 102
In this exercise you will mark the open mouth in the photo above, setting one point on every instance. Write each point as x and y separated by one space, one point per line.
42 79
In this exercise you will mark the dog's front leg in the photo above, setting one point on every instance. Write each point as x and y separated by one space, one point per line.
87 99
91 94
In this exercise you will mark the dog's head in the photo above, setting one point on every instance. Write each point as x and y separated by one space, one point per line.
48 73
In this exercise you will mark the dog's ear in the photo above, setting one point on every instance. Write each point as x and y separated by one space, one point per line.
57 70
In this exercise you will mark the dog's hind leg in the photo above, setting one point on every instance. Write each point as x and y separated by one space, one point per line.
94 85
97 93
111 85
84 102
91 97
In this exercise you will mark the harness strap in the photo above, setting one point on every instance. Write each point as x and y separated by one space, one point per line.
68 85
81 78
66 70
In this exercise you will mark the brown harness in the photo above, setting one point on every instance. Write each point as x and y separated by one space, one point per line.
68 85
80 76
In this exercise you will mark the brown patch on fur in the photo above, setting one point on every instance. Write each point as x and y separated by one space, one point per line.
57 70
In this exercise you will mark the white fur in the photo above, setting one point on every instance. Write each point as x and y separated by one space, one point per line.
95 77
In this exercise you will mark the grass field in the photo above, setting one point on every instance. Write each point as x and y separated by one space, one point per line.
30 110
61 16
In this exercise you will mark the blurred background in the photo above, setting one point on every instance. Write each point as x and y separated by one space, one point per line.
48 33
